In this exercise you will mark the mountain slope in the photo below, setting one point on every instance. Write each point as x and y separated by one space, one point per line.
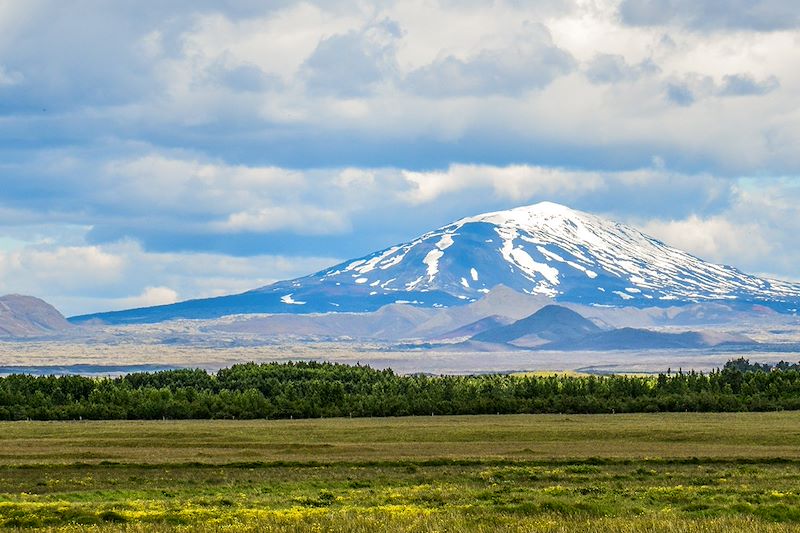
500 301
472 329
544 249
22 316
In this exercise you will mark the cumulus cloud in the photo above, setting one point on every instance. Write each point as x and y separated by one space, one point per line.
149 297
643 189
349 64
756 230
81 279
156 182
531 63
322 84
516 183
182 201
302 219
174 202
714 238
63 268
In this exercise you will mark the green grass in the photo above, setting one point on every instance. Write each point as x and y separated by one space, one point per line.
659 472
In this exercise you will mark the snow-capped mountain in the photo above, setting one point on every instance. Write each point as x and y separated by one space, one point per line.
543 249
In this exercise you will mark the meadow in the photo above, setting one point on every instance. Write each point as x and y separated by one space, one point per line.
624 472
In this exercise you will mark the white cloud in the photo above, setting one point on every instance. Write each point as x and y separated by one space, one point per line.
304 220
520 183
531 63
277 42
351 64
714 239
181 185
82 279
756 231
149 297
419 71
515 182
66 269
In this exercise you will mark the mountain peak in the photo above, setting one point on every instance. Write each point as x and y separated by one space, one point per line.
526 214
544 249
551 250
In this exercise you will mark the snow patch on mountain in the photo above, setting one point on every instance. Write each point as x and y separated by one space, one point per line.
287 299
432 261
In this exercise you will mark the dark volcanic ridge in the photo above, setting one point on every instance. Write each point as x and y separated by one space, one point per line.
550 323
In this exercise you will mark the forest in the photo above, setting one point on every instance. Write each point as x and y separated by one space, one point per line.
316 389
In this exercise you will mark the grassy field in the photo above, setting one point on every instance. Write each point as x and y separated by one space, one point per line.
659 472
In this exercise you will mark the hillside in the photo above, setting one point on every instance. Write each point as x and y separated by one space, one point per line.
23 316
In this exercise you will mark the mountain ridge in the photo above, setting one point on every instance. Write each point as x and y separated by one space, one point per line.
545 249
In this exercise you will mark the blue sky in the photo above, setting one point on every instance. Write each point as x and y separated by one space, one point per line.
199 148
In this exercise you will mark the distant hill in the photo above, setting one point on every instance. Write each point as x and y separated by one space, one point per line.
551 322
554 327
630 339
645 339
24 316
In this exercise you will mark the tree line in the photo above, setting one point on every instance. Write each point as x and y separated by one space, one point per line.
312 389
